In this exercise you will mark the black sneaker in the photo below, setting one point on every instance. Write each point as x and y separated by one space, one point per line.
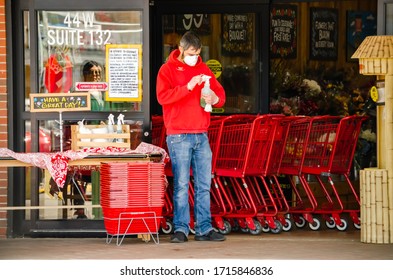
211 236
179 237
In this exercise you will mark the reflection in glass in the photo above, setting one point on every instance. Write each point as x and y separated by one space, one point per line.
70 41
229 48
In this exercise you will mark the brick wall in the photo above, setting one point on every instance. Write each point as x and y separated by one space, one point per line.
3 118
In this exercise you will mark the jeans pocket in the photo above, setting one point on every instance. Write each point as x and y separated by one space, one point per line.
175 138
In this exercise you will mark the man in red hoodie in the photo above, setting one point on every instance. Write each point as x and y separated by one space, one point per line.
179 84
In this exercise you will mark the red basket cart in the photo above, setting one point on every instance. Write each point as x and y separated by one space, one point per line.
229 163
219 203
265 148
300 209
132 197
319 147
269 150
241 165
317 157
341 162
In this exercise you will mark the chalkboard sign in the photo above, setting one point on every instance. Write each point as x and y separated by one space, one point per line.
59 102
283 31
124 72
237 34
324 33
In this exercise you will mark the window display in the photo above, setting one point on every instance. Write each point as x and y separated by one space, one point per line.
72 50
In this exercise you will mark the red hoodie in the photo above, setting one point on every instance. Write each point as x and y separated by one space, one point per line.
181 107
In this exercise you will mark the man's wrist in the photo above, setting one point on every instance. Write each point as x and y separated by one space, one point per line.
188 87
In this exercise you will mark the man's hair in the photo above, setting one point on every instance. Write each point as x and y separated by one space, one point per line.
190 39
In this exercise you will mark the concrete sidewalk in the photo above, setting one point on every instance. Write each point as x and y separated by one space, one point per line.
298 244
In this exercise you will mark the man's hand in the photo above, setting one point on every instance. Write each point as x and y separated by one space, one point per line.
211 98
196 80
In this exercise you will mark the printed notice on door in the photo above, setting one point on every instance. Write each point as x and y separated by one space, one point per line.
124 72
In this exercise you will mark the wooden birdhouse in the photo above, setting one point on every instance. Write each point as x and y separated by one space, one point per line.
374 54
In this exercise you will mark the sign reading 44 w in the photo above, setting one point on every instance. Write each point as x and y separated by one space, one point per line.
77 29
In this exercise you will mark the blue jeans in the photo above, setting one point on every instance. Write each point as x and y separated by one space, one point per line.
185 151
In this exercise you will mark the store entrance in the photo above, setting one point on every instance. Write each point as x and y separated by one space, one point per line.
235 47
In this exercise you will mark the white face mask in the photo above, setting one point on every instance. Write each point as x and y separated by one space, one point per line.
190 60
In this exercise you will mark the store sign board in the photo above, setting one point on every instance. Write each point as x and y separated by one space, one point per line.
124 72
59 102
324 33
283 31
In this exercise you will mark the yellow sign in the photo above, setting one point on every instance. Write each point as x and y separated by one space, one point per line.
215 66
218 110
374 93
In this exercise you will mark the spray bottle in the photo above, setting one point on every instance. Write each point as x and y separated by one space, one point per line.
119 127
111 123
206 90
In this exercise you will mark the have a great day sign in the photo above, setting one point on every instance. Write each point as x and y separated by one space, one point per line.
59 102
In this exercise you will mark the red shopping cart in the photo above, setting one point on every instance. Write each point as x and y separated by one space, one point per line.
269 164
319 147
228 163
317 157
240 163
341 163
330 150
220 204
291 161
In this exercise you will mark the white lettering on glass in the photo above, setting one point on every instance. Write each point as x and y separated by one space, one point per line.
77 31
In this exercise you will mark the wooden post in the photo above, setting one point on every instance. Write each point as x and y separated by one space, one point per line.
373 216
385 208
368 208
381 146
378 205
363 235
374 206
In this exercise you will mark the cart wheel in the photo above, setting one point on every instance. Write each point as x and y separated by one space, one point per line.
258 228
169 227
245 230
227 228
315 225
235 226
266 228
278 228
288 225
330 223
301 223
344 225
357 226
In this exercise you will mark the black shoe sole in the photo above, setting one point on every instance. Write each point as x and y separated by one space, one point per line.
202 238
178 241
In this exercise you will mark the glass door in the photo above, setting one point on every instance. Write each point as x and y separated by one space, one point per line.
73 47
234 47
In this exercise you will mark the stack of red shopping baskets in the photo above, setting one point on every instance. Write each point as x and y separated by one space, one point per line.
132 197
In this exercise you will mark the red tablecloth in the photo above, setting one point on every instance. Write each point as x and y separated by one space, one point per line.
57 163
